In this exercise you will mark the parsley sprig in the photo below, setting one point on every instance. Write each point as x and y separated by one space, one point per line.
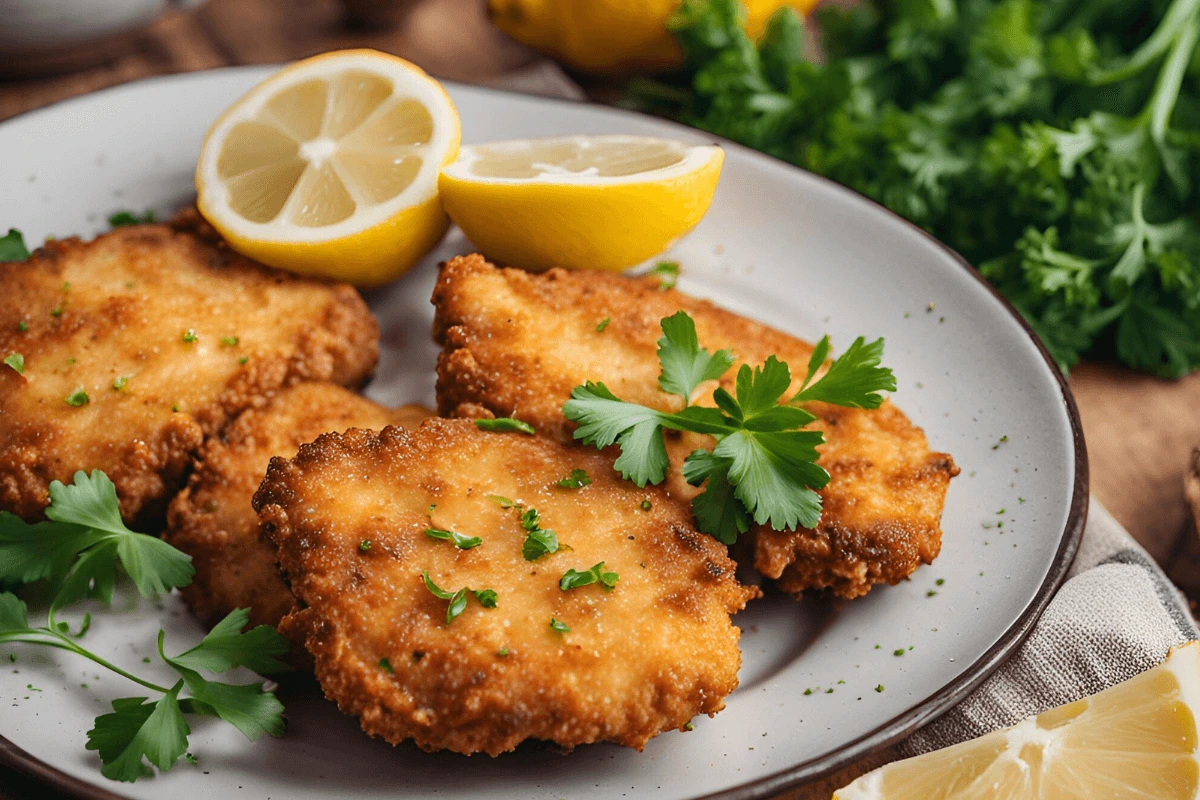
76 551
764 465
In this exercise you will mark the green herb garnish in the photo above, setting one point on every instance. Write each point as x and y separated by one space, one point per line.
555 625
597 574
602 324
16 361
77 398
667 273
12 246
505 425
458 599
460 541
190 336
119 382
764 466
229 341
576 480
76 551
538 540
1051 142
122 218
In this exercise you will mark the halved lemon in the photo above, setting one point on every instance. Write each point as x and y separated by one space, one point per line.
600 202
329 167
1135 740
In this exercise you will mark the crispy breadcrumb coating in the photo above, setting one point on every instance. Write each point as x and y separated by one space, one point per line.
212 519
515 344
142 341
349 514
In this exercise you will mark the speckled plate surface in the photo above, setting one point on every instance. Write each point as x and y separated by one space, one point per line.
779 245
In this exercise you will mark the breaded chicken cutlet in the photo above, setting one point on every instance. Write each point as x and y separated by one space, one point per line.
144 340
212 519
351 515
516 344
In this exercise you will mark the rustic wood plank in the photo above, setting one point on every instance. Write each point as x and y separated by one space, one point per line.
174 43
449 38
1140 433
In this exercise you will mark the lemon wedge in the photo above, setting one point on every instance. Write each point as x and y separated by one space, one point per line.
1135 740
329 167
612 37
600 202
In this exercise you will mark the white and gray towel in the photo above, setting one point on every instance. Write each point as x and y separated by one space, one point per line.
1116 615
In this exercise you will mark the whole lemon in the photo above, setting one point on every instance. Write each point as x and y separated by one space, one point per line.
611 36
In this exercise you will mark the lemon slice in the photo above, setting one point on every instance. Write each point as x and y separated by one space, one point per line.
329 167
600 202
1135 740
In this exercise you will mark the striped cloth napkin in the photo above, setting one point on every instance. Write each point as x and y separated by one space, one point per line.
1116 615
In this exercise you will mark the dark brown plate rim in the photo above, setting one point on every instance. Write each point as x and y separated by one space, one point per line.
885 735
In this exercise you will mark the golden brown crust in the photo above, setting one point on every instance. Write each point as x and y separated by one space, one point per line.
641 659
119 306
515 344
212 519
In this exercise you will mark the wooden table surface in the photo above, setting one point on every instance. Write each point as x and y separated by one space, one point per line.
1140 430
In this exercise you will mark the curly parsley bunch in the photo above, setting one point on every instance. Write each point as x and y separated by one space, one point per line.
1051 142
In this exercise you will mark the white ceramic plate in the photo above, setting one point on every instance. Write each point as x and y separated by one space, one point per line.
779 245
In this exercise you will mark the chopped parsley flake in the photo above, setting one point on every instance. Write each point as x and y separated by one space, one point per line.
646 506
898 652
505 425
940 581
57 310
574 580
603 324
77 398
503 502
502 652
538 540
808 691
229 341
190 336
16 361
364 545
243 360
22 326
460 541
576 480
386 666
931 593
667 273
458 600
879 688
12 246
1003 439
555 625
120 381
122 218
689 727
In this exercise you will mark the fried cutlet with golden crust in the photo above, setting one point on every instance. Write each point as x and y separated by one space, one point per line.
349 515
142 341
515 344
212 519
